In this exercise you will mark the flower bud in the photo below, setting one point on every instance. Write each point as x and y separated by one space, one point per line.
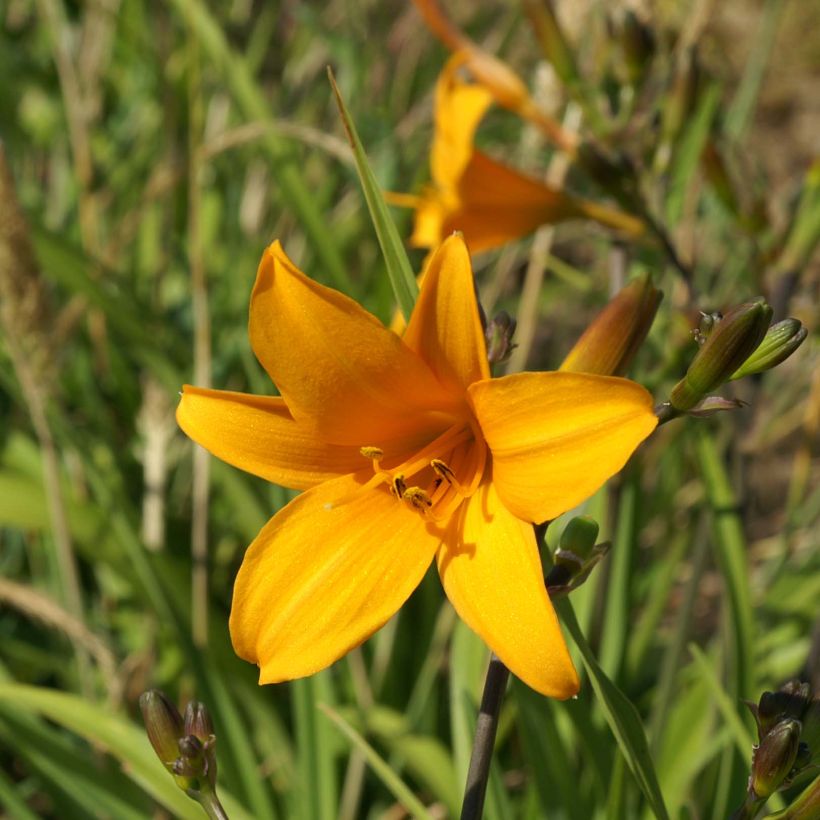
733 339
782 339
576 556
774 757
608 346
499 333
163 724
198 721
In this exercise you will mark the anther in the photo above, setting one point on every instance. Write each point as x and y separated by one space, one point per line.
398 486
374 453
417 498
443 471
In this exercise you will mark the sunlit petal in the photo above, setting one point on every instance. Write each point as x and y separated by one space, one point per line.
319 578
258 435
340 371
445 328
557 437
491 571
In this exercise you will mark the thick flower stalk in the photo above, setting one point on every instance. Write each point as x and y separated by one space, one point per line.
489 202
408 452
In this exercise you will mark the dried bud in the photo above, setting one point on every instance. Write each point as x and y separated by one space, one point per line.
163 724
781 340
774 757
714 404
499 333
198 721
615 335
730 343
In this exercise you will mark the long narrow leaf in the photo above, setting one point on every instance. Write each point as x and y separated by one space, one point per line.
395 258
621 715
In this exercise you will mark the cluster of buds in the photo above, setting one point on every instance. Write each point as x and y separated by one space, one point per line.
576 556
788 731
732 346
186 746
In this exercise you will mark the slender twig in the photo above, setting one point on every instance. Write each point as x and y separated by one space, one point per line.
484 740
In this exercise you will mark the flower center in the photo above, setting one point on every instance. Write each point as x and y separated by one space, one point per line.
436 479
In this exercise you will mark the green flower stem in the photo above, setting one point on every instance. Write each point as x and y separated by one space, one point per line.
211 805
484 740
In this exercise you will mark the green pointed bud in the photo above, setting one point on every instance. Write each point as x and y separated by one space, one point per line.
576 556
774 758
499 333
781 340
163 724
613 338
732 340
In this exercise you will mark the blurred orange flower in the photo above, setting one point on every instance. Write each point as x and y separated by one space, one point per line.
490 203
407 451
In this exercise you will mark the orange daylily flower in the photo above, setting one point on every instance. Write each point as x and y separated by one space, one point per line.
407 451
487 201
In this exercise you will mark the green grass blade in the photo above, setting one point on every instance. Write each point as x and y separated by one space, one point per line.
316 794
395 257
621 716
255 107
731 557
397 787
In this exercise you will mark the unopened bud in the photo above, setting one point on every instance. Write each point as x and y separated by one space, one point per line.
499 334
163 724
730 343
774 757
781 340
576 556
608 346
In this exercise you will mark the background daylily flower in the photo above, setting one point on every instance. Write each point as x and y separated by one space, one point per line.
490 203
408 452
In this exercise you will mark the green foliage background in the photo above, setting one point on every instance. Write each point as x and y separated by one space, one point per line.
156 148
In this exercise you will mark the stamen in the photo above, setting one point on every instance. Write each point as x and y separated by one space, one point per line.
444 471
398 487
417 498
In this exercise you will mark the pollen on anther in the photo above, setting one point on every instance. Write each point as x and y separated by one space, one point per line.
398 486
374 453
417 498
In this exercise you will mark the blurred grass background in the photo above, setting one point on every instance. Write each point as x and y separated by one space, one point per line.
155 149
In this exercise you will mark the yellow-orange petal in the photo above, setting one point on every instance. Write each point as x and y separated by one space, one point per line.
491 571
258 434
499 204
341 372
445 328
556 438
459 108
319 579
